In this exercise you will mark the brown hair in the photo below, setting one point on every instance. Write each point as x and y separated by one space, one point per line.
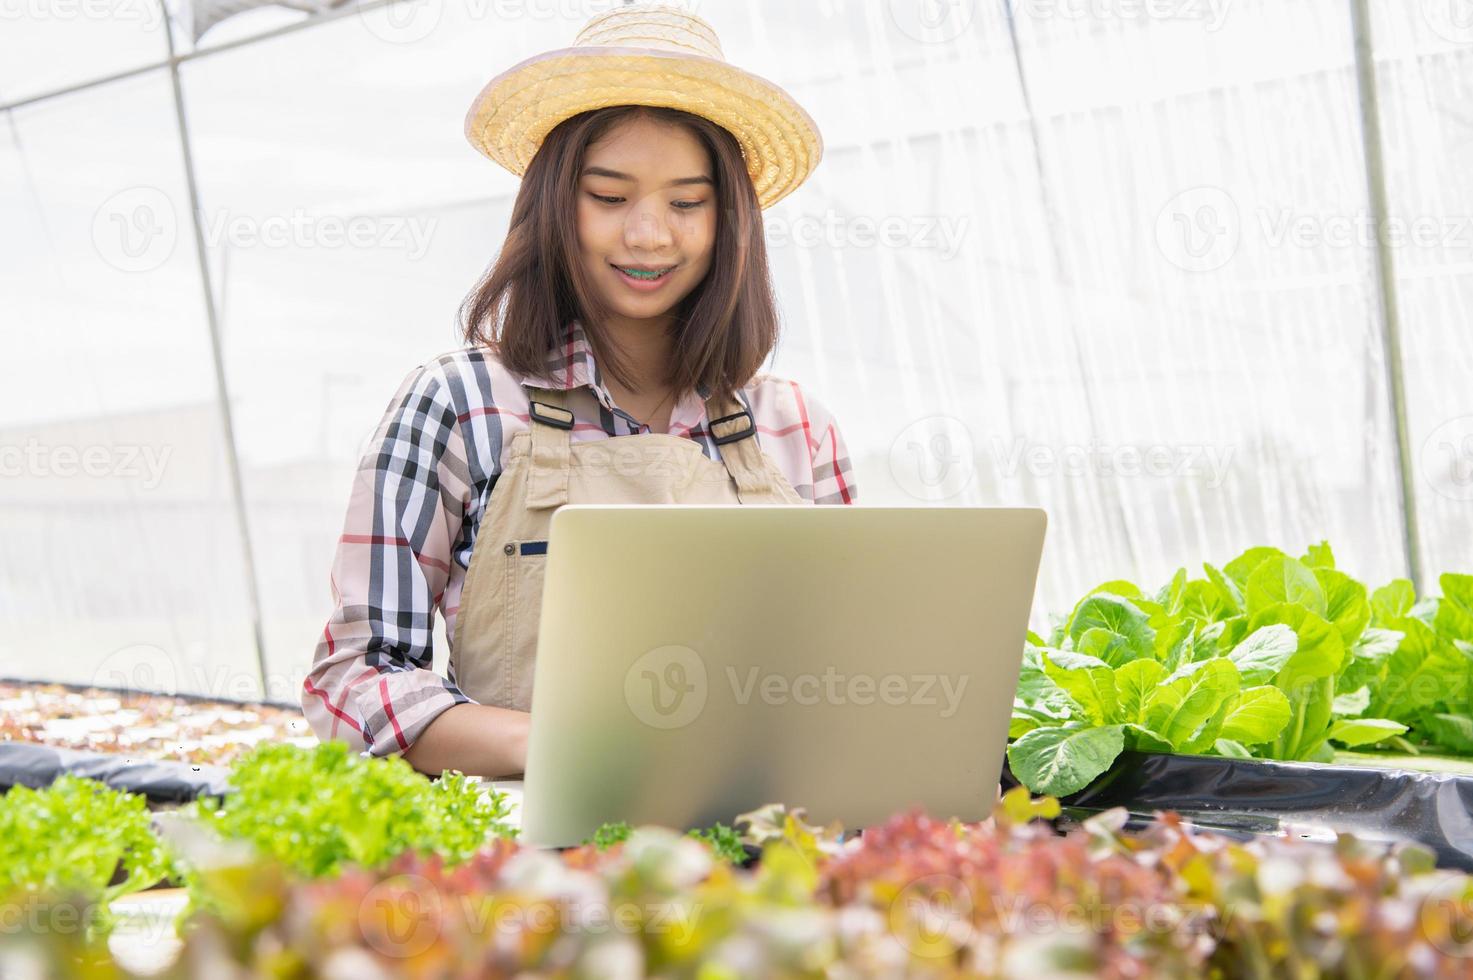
724 329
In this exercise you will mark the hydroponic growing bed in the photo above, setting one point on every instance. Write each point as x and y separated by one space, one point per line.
1212 742
323 864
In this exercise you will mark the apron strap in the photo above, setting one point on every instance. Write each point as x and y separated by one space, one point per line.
735 432
552 437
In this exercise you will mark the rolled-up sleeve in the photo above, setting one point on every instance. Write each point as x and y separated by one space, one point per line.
372 683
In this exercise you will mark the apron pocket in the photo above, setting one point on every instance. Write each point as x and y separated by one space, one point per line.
528 566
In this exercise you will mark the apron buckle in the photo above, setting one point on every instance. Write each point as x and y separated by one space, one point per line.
543 412
742 433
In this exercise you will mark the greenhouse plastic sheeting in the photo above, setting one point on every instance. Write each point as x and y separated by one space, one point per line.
160 780
1251 797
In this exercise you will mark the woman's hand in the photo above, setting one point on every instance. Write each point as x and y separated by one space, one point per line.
477 739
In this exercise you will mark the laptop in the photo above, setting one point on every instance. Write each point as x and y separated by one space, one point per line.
695 662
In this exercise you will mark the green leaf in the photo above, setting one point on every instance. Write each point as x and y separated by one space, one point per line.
1173 640
1134 683
725 842
1118 616
1352 732
1234 631
1424 670
1241 568
1352 704
1455 611
1376 644
1087 680
1141 739
1119 587
1320 651
1060 761
1227 748
1173 593
1264 653
1319 556
1177 709
1367 665
1392 601
1450 731
1023 721
1282 579
1229 592
1346 603
1256 715
1426 610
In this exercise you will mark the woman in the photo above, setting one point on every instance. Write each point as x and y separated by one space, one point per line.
612 357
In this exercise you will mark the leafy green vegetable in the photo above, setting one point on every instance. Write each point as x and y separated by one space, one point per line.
71 839
1059 761
725 841
319 809
1270 656
608 834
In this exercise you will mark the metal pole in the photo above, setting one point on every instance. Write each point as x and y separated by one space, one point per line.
231 456
1370 115
316 20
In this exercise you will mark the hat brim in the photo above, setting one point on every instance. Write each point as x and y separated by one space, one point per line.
516 110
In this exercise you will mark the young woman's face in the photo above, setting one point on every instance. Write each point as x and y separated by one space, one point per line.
646 204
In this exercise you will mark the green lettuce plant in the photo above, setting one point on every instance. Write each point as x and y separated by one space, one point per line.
80 839
1270 656
317 809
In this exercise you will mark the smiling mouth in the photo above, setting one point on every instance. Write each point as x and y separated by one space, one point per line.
647 275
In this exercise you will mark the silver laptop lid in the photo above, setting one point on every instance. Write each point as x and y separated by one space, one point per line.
696 662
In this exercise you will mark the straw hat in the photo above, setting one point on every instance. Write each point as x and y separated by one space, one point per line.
647 54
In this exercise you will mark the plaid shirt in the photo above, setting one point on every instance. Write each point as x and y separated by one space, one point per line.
420 492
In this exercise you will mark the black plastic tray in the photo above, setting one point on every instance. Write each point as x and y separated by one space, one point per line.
161 781
1246 797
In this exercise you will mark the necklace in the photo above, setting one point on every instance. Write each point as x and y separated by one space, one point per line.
653 412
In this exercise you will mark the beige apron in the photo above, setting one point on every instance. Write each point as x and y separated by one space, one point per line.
495 641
